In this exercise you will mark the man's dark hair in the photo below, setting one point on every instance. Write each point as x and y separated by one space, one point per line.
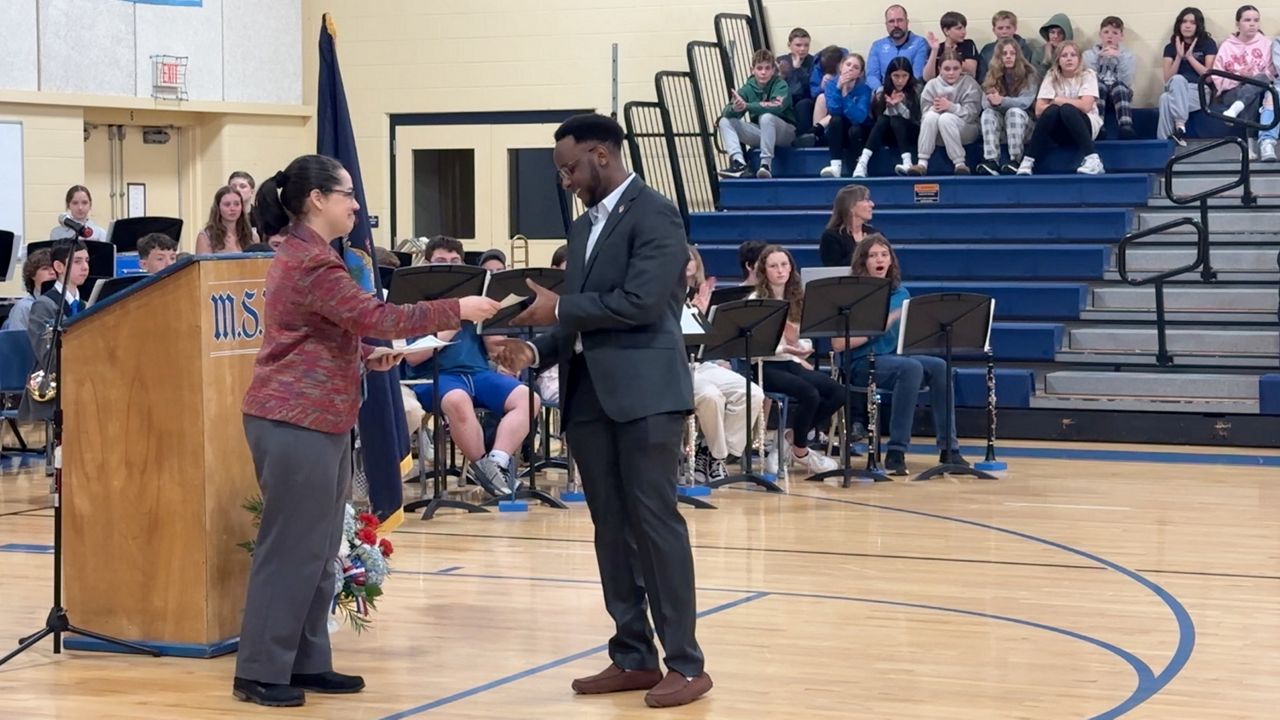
442 242
35 262
560 256
592 127
829 59
749 253
155 241
62 251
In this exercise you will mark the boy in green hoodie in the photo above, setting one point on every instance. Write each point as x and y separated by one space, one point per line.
1055 32
759 113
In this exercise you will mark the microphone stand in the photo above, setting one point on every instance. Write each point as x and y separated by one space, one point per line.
57 623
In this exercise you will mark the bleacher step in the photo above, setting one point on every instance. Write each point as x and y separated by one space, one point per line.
1189 340
1207 386
1259 184
1229 260
1222 221
1134 404
1231 299
1184 318
1148 360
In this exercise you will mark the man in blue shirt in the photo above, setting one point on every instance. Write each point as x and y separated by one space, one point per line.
900 42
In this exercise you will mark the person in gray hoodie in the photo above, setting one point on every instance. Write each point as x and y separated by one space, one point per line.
1114 66
951 104
1008 93
1054 32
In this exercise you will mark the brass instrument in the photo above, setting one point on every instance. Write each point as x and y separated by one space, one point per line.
519 255
42 385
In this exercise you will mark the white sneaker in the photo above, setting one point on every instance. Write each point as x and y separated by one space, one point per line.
1028 164
1253 148
771 463
832 170
1092 165
1268 151
815 462
860 170
1236 108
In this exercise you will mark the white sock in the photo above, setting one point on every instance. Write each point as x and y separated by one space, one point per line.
1236 108
837 165
1028 162
906 159
501 459
866 156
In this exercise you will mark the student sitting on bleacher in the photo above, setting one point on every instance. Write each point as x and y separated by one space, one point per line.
1268 137
848 99
955 28
1004 24
37 270
1054 32
1246 53
901 375
1008 93
825 69
466 381
795 66
1067 112
1115 68
952 103
850 222
719 393
814 395
156 251
760 115
896 109
1188 55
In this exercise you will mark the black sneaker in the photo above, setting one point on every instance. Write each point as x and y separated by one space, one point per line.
806 140
895 463
953 458
331 683
716 470
736 169
268 694
1127 132
1011 167
702 465
1179 136
988 167
765 172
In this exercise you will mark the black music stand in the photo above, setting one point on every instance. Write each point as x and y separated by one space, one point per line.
107 287
8 252
943 324
437 282
746 329
102 254
501 286
720 296
125 233
846 307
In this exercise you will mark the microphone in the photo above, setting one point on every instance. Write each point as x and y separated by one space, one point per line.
81 230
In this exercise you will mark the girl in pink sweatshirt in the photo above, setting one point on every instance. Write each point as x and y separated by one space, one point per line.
1247 53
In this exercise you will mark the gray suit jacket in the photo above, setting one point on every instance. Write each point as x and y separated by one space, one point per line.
626 301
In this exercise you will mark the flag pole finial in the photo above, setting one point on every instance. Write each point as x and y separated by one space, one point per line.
331 26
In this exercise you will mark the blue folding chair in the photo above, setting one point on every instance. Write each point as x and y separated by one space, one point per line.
16 362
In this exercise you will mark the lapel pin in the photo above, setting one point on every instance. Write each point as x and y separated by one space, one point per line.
622 209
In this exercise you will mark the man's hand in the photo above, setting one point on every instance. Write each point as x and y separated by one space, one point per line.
383 359
513 355
542 313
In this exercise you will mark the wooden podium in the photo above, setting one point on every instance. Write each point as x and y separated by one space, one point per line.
155 462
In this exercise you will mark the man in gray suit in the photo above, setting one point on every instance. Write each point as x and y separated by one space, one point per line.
625 388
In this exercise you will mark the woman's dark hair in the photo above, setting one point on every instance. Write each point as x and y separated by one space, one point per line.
36 261
217 231
1202 33
846 198
71 193
792 291
282 198
858 265
748 254
911 92
1239 14
560 256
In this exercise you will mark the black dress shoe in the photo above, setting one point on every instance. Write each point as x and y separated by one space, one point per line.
327 682
269 694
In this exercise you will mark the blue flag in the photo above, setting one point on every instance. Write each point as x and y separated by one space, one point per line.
384 437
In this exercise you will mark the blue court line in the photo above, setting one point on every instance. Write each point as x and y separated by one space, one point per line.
1147 686
1143 456
450 699
1140 668
26 548
448 570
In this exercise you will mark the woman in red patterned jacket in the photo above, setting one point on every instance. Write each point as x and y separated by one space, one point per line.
298 414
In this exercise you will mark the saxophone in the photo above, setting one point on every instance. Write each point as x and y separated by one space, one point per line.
42 385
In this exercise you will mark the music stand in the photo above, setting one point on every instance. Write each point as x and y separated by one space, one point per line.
125 233
437 282
107 287
8 253
942 324
102 254
746 329
845 307
501 286
720 296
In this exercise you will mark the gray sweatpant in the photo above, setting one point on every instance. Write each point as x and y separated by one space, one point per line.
953 130
305 477
771 131
1179 100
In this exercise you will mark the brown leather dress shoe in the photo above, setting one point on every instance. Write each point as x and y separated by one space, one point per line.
675 689
614 679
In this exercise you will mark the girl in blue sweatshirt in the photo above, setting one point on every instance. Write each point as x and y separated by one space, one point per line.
848 100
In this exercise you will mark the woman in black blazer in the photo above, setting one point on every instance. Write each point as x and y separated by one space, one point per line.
850 222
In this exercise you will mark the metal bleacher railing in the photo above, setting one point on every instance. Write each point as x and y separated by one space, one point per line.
1203 260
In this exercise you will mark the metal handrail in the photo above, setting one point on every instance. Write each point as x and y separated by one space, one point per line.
1206 92
1163 358
1242 180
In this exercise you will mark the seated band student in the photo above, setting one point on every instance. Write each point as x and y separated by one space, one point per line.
748 256
850 222
719 393
466 381
79 202
815 396
901 375
227 229
549 379
37 270
156 251
44 313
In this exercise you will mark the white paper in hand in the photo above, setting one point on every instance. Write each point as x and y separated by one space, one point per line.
430 342
689 323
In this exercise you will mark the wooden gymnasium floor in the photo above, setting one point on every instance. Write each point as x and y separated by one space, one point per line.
1135 582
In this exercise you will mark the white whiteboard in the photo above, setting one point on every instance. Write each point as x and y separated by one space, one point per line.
11 202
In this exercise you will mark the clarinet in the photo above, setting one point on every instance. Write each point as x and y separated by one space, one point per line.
691 444
873 416
991 409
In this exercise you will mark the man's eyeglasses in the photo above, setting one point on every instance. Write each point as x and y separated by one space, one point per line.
567 169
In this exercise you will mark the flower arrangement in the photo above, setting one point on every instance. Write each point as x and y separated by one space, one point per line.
361 566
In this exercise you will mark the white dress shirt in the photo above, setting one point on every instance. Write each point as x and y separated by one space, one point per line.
599 214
